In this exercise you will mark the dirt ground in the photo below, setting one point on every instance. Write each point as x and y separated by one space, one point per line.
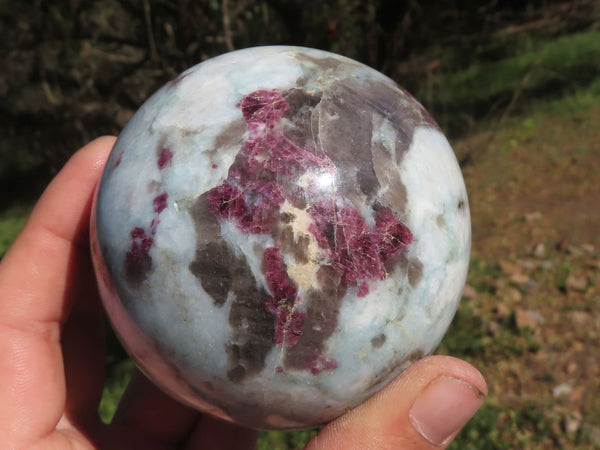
535 203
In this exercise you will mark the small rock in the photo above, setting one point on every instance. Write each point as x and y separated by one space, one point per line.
577 282
589 248
578 346
510 268
572 422
532 216
592 367
493 327
539 251
510 293
469 292
520 279
529 319
528 264
593 264
501 310
537 317
579 318
546 265
499 283
529 286
576 251
562 390
572 367
576 395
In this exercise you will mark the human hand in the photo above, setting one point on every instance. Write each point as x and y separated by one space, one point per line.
52 351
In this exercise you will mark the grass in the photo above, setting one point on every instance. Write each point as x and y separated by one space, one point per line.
12 220
282 440
117 377
486 273
481 432
465 91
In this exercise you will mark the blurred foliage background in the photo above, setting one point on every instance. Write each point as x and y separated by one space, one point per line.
72 70
516 86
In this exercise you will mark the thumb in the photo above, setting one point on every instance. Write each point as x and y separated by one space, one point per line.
424 408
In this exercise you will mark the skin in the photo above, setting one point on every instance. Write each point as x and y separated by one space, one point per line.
53 356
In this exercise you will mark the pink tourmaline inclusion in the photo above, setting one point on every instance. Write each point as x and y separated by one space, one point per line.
137 258
252 196
289 321
164 158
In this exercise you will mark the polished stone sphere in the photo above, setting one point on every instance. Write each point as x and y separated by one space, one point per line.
278 233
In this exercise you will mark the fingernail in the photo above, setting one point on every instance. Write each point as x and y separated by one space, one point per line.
444 407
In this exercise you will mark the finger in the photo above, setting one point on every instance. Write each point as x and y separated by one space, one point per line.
83 338
36 295
152 415
84 348
424 408
146 410
219 435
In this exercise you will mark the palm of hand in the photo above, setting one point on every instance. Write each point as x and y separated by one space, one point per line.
53 355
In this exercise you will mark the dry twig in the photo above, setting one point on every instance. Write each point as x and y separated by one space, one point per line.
227 26
151 42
